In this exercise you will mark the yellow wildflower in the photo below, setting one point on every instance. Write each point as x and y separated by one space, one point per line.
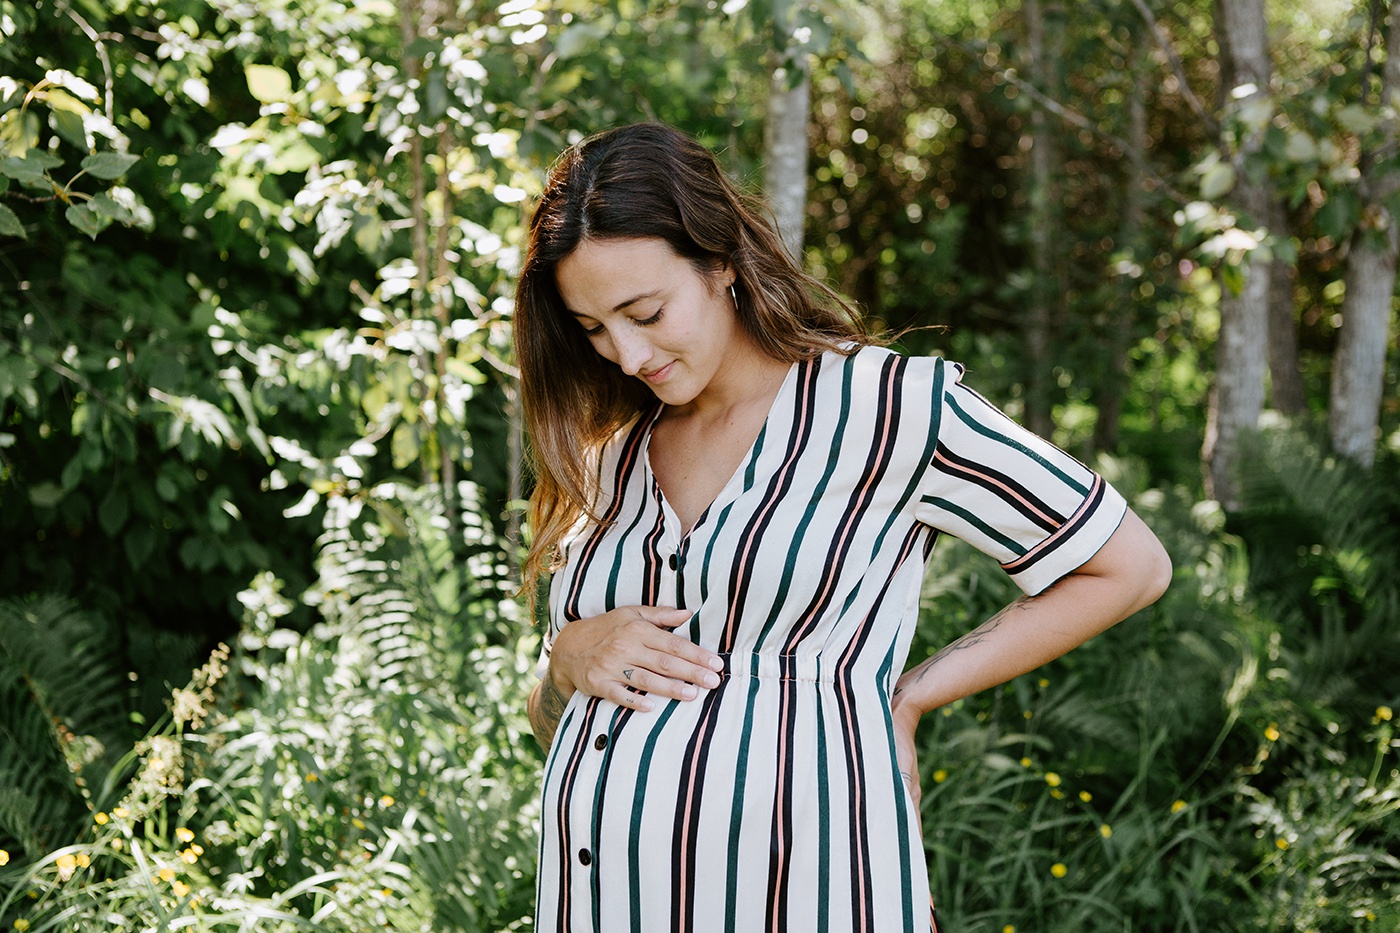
1025 762
940 776
21 924
100 819
189 857
1178 806
184 835
1008 929
1052 779
1044 682
66 864
357 822
1384 713
1272 733
166 874
1085 796
117 844
197 849
1370 915
386 801
181 889
1059 870
83 860
311 777
1281 843
1105 831
1057 793
4 857
121 813
1028 714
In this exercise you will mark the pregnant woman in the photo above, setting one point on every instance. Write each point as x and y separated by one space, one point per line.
736 495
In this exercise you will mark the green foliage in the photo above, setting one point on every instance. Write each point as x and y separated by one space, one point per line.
1225 761
373 771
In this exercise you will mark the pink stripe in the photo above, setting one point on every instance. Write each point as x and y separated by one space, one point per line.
849 520
1062 530
958 468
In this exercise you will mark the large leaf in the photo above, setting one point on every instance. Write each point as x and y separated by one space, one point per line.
268 83
109 165
10 224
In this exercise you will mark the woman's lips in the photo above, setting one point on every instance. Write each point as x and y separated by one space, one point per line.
659 375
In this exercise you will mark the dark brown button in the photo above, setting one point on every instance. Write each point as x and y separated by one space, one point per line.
585 856
601 742
674 562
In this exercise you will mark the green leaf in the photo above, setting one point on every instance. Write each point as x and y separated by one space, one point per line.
69 126
268 83
10 224
109 165
86 219
1217 180
28 171
404 445
45 495
138 543
112 513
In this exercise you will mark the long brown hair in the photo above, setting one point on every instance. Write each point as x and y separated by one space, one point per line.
642 181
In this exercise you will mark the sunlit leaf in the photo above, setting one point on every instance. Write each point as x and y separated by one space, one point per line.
268 83
1217 180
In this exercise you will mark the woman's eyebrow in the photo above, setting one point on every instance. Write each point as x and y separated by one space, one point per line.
622 304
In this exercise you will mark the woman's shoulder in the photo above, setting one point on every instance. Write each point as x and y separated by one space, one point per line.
873 363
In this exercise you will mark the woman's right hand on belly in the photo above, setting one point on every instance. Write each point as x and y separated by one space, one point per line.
632 647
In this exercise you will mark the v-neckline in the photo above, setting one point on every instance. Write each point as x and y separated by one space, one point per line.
670 518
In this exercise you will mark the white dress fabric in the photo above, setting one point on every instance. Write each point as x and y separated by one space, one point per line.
774 801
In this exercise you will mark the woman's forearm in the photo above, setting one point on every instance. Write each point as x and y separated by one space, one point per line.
1130 571
546 708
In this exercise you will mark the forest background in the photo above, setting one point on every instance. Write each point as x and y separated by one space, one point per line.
257 399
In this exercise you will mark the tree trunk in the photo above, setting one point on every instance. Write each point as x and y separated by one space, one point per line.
1041 45
1358 366
1242 349
1285 374
1119 334
789 102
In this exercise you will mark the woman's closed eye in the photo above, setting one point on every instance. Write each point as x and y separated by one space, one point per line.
642 322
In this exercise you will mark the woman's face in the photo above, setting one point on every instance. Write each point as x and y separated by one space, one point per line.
654 314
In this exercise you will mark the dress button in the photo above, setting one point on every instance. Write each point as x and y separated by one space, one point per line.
585 856
674 561
601 742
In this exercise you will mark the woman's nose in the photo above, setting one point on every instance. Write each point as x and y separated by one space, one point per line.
633 351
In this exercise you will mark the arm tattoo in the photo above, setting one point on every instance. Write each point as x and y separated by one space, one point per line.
546 708
970 640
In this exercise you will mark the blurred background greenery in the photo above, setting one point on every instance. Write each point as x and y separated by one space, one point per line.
260 476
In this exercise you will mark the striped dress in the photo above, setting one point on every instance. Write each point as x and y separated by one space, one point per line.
774 801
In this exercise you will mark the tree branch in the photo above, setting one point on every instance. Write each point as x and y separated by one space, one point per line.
1177 68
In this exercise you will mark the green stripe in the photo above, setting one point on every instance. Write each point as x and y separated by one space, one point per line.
823 827
977 523
905 871
634 838
736 812
985 431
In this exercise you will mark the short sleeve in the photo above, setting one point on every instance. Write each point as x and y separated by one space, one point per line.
1010 494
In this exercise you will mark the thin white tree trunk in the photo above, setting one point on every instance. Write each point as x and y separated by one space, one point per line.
1242 350
1358 366
1043 197
785 168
